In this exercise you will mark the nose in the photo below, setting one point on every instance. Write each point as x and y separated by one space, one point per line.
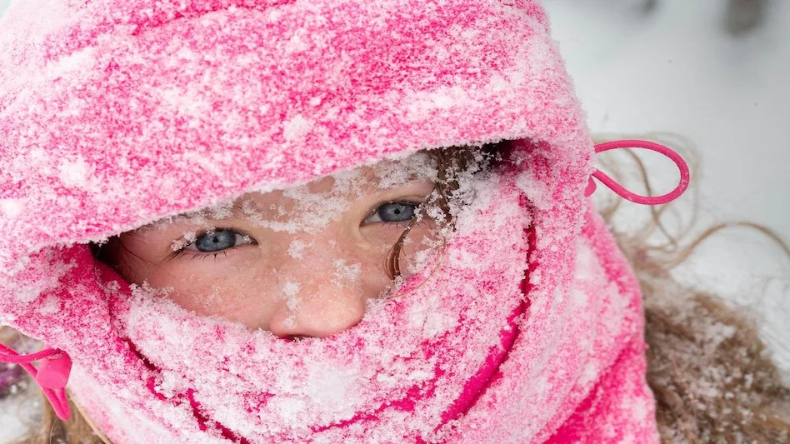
320 309
318 315
323 295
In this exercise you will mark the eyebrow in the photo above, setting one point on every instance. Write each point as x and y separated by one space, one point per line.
236 213
368 187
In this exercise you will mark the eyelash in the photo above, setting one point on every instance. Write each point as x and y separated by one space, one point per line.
198 255
205 255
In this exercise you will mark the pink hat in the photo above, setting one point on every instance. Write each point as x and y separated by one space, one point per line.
116 113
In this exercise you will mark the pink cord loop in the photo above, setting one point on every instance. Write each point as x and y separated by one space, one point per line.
625 194
52 374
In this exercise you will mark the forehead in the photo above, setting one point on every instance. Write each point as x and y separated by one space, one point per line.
346 186
331 192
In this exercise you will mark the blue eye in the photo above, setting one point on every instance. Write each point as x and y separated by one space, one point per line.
218 240
393 212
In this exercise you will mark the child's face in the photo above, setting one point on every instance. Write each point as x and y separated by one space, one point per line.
298 262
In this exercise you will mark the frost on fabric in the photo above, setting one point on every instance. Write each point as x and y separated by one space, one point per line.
75 173
48 270
12 208
297 128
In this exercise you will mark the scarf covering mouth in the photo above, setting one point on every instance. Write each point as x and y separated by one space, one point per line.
114 114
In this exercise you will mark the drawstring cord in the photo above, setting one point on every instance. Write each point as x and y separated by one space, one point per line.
625 194
52 374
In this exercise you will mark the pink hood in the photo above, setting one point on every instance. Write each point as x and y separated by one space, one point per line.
115 113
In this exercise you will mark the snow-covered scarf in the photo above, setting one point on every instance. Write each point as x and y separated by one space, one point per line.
117 113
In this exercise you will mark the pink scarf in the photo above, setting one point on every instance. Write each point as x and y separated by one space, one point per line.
116 113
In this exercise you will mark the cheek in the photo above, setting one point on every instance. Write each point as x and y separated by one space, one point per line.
421 244
419 250
230 291
384 236
423 237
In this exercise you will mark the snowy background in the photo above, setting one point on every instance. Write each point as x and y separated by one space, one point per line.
714 72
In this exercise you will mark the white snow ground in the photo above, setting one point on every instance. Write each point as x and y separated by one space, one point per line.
676 70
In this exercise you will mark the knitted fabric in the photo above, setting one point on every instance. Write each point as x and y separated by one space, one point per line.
117 113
